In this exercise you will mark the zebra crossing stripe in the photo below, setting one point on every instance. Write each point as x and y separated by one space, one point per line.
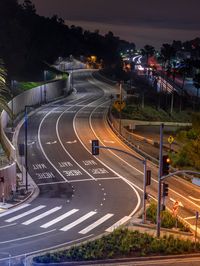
14 210
25 213
36 218
117 224
78 221
95 224
58 219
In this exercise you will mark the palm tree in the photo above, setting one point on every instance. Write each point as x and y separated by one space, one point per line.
4 90
196 81
148 51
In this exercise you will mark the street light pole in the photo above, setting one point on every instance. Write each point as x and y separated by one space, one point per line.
45 89
120 110
159 182
26 146
144 189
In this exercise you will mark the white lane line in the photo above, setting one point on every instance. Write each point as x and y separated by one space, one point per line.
25 213
117 224
100 178
52 183
26 237
40 144
194 198
8 225
58 135
60 218
14 210
97 223
38 217
190 218
78 221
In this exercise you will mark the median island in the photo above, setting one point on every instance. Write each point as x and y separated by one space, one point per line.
121 243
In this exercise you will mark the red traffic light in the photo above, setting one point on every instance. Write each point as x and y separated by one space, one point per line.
165 164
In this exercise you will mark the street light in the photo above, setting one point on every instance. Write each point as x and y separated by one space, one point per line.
45 89
26 144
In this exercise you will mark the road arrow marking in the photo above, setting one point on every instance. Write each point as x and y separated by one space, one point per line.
71 142
51 142
109 141
179 203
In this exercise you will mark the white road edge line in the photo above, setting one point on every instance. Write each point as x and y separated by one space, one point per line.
26 237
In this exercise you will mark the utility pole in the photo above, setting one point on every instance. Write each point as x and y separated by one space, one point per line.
144 189
159 181
26 145
120 110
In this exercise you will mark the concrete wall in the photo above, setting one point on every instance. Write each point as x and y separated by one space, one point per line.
34 96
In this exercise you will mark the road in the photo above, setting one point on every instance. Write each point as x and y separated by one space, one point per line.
81 196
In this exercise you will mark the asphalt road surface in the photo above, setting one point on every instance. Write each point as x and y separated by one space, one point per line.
81 196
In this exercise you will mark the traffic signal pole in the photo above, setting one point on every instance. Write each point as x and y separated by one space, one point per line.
144 189
159 181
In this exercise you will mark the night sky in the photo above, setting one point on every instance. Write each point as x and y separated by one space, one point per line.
140 21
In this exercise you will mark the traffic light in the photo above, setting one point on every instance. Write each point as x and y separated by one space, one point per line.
165 164
165 189
95 147
1 179
148 179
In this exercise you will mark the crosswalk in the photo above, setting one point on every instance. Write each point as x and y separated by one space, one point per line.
42 215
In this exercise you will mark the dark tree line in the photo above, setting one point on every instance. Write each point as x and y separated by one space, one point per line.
28 41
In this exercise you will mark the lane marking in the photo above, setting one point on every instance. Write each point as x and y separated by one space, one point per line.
25 213
26 237
97 223
190 218
39 140
71 142
78 221
194 198
117 224
52 247
58 135
38 217
8 225
108 141
52 183
60 218
14 210
179 203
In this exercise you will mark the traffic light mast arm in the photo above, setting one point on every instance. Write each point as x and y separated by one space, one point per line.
180 172
115 149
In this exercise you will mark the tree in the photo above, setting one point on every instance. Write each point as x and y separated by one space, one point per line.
4 90
148 51
196 81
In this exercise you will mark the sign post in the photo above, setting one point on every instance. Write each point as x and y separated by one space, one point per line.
170 140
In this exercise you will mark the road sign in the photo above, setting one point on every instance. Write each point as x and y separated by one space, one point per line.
170 139
119 105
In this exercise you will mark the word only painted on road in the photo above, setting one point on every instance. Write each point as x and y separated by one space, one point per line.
46 175
89 162
72 173
99 171
65 164
39 166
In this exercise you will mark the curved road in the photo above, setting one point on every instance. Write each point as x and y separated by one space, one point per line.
80 197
